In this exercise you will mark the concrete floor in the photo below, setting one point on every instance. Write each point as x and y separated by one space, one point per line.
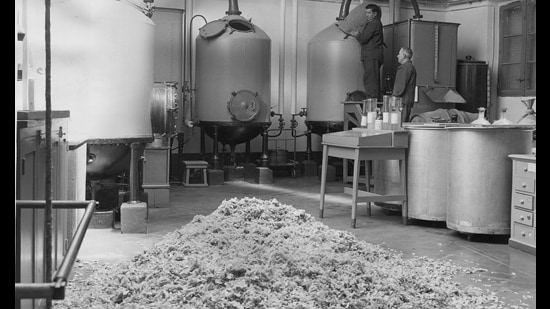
511 273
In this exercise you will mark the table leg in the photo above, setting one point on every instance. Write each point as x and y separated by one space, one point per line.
356 164
404 206
367 172
323 180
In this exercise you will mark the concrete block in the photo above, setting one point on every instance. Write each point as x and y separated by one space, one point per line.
233 173
309 168
249 171
263 175
133 218
331 173
158 197
215 177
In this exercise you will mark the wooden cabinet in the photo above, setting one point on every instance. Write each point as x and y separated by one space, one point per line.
524 203
31 185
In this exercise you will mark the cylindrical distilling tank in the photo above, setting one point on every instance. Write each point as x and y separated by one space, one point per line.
102 72
427 172
480 176
233 79
334 70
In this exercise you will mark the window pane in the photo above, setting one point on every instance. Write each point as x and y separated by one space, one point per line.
531 17
531 76
511 50
532 48
510 75
512 21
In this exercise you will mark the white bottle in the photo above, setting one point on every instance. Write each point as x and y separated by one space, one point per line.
378 121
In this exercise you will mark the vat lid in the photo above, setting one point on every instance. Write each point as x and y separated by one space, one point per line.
213 29
244 105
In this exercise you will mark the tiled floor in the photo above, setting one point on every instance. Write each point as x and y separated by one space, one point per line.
511 273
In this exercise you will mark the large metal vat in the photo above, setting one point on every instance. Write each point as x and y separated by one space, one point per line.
427 172
334 70
233 79
480 176
102 71
102 68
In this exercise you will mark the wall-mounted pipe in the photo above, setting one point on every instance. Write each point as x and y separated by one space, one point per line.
417 14
281 97
344 9
233 8
294 92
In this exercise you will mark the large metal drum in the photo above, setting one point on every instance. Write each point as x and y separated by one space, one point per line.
102 68
480 176
333 70
233 79
102 72
427 172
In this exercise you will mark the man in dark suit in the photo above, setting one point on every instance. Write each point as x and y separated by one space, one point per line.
371 38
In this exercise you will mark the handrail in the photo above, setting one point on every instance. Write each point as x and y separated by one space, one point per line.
56 288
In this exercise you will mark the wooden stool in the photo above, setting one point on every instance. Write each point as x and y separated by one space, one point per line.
191 165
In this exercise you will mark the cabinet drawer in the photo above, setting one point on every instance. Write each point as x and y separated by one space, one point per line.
522 201
526 169
522 216
524 234
524 184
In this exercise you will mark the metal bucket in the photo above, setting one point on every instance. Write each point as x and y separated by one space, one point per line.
480 177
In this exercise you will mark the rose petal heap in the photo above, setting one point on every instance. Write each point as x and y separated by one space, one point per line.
253 253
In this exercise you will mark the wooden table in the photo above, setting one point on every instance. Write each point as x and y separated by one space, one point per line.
366 145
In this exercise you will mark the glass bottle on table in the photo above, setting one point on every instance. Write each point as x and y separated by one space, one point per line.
371 112
378 120
395 114
363 123
386 109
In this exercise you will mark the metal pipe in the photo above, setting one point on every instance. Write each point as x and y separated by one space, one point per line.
64 269
55 289
344 9
136 155
191 86
294 85
49 165
233 8
282 59
417 14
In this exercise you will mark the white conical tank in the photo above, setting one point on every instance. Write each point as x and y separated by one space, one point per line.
102 67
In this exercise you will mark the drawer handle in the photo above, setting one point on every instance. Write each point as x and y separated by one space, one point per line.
523 185
521 218
523 234
528 217
525 169
522 202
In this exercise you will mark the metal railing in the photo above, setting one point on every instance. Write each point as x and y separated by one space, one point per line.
56 288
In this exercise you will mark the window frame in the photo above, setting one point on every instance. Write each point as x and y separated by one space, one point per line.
525 48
